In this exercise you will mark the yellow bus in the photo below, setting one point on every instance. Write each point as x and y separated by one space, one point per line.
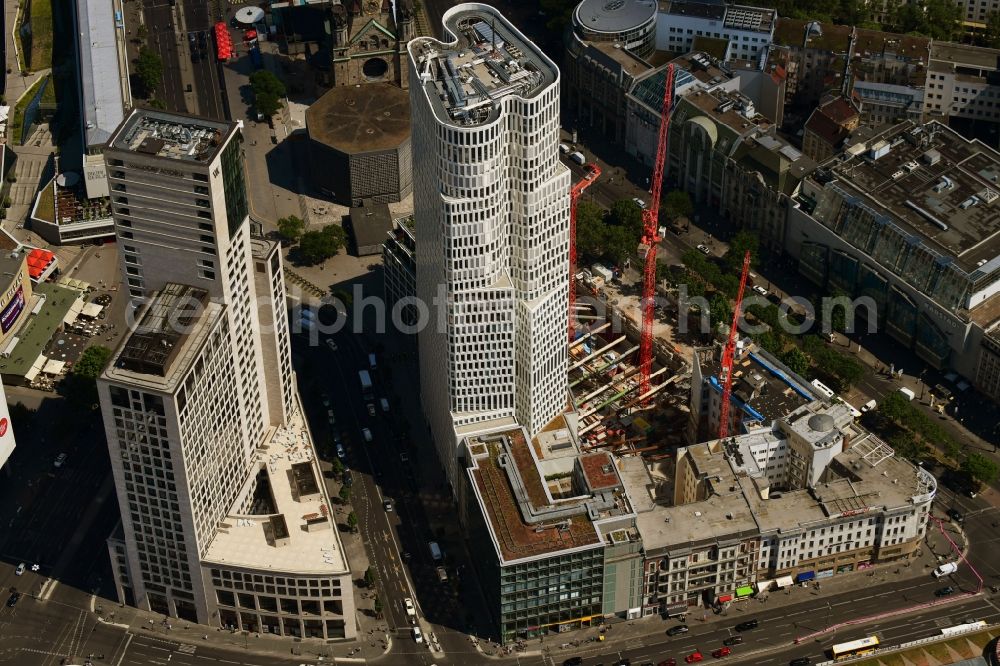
857 648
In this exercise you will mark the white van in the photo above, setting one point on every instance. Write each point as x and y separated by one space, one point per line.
578 157
563 148
910 395
946 569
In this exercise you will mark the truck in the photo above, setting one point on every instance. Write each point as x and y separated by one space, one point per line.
366 384
910 395
946 569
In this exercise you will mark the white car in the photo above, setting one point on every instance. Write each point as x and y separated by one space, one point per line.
59 461
331 344
341 453
418 636
704 249
411 610
20 569
639 202
760 290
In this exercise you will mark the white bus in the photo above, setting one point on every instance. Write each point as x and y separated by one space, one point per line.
822 388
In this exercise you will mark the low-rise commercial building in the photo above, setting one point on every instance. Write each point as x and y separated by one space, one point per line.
748 30
809 496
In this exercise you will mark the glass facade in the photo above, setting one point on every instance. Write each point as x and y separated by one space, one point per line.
234 184
543 595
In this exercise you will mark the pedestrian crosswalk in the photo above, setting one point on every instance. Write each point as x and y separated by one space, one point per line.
187 649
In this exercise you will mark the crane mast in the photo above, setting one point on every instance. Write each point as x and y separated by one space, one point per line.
593 172
730 351
650 238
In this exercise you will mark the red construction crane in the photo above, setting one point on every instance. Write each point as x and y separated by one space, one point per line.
650 237
593 172
730 351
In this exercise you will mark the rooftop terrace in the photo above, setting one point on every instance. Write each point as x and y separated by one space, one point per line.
171 136
487 61
157 339
300 536
937 186
535 507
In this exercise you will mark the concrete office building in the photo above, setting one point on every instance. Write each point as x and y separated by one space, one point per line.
225 519
492 234
809 496
553 532
746 30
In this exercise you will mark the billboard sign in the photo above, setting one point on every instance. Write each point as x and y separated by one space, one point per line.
12 311
6 431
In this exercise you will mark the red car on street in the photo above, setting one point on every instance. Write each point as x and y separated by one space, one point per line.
668 662
694 657
722 652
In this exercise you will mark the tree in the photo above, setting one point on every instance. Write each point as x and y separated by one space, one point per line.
741 243
933 18
345 494
290 228
149 69
267 92
352 521
369 572
992 36
319 245
377 607
720 310
626 213
590 230
796 360
80 385
337 467
677 204
980 468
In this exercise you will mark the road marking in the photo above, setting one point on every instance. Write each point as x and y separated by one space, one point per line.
125 649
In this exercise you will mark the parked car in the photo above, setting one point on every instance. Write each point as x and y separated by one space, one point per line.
868 406
418 636
573 661
387 504
371 409
722 652
747 626
12 599
955 515
367 434
678 630
639 202
442 574
704 249
20 569
693 658
760 290
944 591
733 640
331 344
341 453
668 662
800 661
59 461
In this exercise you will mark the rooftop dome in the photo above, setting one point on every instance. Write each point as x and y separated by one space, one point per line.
821 422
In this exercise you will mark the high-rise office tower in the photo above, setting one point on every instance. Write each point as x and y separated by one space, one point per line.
225 519
491 206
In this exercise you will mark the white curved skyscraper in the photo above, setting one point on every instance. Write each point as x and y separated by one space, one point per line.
491 206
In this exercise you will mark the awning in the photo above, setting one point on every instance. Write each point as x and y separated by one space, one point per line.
35 368
73 312
54 366
744 591
784 581
804 576
763 585
725 597
92 310
677 609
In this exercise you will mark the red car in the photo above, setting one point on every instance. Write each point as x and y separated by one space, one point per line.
722 652
693 657
668 662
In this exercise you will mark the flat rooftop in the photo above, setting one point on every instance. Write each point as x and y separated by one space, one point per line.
732 109
157 339
172 136
103 83
375 116
912 48
516 492
709 10
763 388
301 536
171 330
37 329
952 55
823 37
630 63
488 60
936 185
614 16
